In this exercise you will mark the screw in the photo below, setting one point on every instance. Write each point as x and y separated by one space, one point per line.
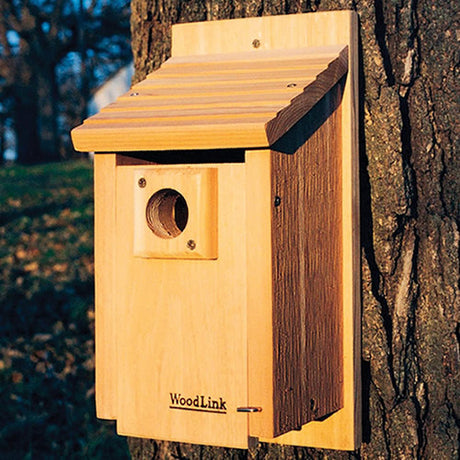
292 85
277 201
134 94
255 43
191 245
142 182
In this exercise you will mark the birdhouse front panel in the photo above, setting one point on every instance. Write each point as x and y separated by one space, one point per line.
183 320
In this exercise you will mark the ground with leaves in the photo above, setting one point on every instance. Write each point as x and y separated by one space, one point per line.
47 316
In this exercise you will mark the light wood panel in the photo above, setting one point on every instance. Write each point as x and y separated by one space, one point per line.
259 284
183 327
231 53
199 102
143 136
187 117
215 81
104 241
274 33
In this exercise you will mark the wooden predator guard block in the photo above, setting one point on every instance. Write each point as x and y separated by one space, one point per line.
268 317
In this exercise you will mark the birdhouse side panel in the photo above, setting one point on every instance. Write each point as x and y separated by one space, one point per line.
307 270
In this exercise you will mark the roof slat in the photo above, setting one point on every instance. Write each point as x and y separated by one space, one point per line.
159 114
216 86
229 78
325 53
172 137
249 68
184 120
145 103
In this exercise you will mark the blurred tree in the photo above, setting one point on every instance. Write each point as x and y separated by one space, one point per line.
3 120
53 54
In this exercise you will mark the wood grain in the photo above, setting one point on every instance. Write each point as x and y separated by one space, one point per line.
307 268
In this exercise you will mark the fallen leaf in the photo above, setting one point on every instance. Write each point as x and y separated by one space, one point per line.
16 377
60 268
14 202
41 367
20 253
31 267
42 337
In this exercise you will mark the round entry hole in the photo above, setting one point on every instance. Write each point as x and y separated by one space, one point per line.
167 213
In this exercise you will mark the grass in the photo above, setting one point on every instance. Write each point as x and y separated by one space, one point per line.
47 316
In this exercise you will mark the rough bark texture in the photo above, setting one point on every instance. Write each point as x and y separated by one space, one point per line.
409 196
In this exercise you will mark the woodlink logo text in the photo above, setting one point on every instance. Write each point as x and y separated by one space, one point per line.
198 403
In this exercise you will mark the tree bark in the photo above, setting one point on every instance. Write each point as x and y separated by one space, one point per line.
26 116
2 140
409 218
48 91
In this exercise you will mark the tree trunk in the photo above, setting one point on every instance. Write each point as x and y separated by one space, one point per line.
49 114
26 115
409 216
2 139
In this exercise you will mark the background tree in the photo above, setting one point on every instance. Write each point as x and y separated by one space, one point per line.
409 191
54 52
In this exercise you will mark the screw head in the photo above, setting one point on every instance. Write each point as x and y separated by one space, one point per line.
277 201
134 94
292 85
142 182
256 43
191 245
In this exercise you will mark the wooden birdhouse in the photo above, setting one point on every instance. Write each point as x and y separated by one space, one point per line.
227 237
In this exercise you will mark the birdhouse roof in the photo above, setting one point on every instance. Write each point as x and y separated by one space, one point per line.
232 100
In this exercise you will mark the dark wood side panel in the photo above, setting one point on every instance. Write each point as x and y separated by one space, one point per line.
307 268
